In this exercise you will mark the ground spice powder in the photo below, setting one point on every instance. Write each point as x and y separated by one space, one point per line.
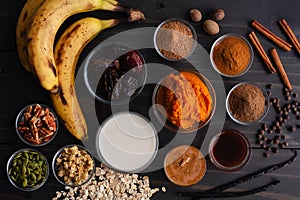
247 103
175 40
231 56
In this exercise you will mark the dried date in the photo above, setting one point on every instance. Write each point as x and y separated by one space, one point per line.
121 77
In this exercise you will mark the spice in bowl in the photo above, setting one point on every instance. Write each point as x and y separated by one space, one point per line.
247 103
231 55
36 125
175 39
188 100
27 169
73 165
185 165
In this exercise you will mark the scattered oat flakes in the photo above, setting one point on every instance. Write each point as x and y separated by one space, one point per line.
107 184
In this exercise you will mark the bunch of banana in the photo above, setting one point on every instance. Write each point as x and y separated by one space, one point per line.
36 30
67 51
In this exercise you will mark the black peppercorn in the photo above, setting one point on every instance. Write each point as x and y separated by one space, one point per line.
288 98
264 127
275 150
266 154
276 141
269 86
259 142
295 95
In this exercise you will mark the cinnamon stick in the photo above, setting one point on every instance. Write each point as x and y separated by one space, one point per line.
272 36
290 34
280 68
256 43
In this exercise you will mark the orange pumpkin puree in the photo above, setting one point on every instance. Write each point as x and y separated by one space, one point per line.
185 98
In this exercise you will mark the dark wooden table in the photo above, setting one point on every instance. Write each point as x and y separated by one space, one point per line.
19 88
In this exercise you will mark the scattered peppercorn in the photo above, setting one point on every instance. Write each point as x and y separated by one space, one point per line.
269 86
266 154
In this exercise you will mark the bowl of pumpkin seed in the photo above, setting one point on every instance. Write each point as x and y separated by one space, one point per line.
27 169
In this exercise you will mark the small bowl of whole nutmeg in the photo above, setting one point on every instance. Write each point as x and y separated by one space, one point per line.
73 165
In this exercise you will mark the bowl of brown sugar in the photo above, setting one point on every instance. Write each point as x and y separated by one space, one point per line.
231 55
175 39
247 103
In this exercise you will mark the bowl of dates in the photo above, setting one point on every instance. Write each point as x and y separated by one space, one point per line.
115 73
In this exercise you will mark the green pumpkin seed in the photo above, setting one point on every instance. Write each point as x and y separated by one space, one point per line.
32 175
40 163
19 162
38 178
13 178
28 171
24 169
24 183
22 177
26 155
14 162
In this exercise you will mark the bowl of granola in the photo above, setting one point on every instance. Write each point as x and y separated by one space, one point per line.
73 165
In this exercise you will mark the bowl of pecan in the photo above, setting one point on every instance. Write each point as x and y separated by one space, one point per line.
36 125
73 165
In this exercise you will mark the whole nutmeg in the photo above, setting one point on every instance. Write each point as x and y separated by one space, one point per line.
211 27
217 14
195 15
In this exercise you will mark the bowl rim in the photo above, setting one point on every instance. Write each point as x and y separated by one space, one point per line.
234 168
90 56
220 39
185 146
54 168
137 170
266 109
192 129
8 165
185 23
19 117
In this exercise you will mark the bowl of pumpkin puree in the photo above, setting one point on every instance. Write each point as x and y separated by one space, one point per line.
184 101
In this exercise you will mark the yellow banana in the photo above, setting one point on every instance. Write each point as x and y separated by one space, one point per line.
66 53
23 23
41 35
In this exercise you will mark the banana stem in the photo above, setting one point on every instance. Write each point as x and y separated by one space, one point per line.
133 14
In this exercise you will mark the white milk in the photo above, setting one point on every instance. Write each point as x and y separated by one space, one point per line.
127 142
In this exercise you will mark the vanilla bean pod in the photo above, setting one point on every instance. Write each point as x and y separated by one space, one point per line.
242 179
237 194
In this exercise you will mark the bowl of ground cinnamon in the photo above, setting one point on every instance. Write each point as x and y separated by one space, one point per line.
231 55
247 103
175 39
